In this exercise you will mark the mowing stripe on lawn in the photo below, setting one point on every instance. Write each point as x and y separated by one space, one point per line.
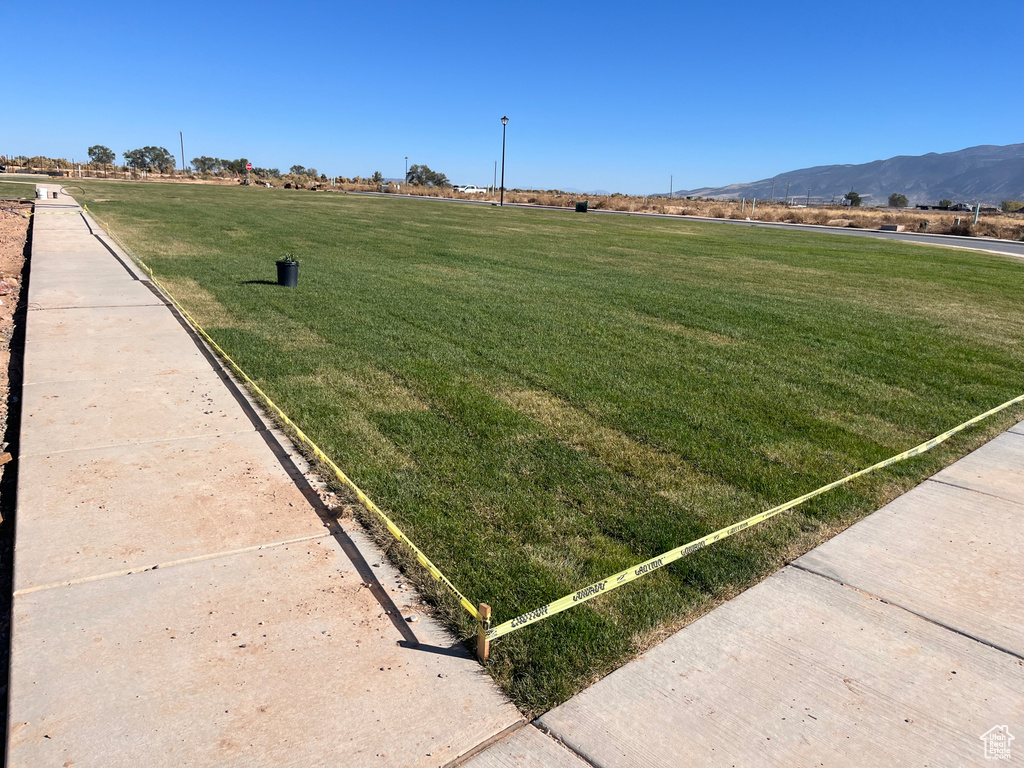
363 498
649 566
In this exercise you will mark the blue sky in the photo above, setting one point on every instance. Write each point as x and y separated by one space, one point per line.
599 95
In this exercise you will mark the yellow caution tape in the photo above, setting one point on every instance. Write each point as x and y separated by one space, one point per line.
363 498
649 566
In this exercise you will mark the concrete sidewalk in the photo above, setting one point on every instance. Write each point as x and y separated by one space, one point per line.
182 595
898 642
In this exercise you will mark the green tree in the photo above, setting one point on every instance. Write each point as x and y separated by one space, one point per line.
204 164
377 178
150 157
854 198
102 156
234 166
1011 206
896 200
945 203
161 158
421 174
297 170
136 158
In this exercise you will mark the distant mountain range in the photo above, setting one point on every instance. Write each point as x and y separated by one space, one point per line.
985 174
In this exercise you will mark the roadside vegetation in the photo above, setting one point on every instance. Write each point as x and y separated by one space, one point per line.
542 399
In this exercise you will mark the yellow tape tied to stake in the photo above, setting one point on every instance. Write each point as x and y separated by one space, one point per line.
363 498
649 566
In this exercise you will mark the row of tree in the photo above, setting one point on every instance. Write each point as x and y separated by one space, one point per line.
204 164
145 159
149 158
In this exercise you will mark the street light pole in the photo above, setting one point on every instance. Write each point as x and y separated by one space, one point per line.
406 179
504 122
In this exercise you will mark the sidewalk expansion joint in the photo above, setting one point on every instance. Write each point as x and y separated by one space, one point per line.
921 616
974 490
172 563
551 735
486 744
154 441
97 306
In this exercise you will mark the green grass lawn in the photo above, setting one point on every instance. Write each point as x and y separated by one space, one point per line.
10 190
542 399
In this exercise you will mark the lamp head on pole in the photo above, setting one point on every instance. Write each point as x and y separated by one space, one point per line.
504 121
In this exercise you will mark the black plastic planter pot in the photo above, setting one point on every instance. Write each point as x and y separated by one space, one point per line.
288 273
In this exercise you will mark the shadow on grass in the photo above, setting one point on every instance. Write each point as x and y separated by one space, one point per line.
259 282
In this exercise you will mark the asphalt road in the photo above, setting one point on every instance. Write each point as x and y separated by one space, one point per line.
986 244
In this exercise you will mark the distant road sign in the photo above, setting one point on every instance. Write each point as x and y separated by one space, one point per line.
248 166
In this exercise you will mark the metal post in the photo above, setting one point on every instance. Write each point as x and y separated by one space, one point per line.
181 136
494 186
808 197
483 645
671 181
976 212
773 191
787 193
504 122
743 205
753 206
406 180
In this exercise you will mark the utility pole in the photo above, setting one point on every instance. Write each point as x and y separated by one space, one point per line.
773 191
181 136
494 187
671 181
787 193
406 179
504 123
808 197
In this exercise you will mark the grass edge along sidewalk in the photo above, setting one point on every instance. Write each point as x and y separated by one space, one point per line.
482 614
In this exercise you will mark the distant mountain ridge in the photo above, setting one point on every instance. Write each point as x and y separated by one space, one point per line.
987 174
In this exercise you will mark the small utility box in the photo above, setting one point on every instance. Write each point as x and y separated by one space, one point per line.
581 207
893 227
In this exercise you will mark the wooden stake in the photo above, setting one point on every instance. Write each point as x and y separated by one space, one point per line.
483 645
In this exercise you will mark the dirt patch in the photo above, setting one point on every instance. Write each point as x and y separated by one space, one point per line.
13 235
13 239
